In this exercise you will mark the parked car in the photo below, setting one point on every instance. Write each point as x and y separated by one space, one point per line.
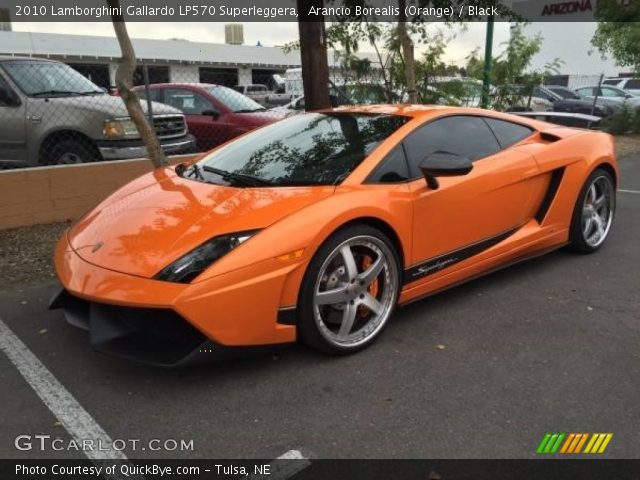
572 105
519 98
256 92
215 114
51 114
294 107
261 94
609 94
313 228
629 85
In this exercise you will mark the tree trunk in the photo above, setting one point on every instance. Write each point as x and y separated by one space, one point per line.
313 56
407 54
124 82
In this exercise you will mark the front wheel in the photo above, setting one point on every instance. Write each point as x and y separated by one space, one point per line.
349 291
593 213
70 151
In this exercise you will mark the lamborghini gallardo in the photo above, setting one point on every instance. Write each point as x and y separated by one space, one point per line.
314 228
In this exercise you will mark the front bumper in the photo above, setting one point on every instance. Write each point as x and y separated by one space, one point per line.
126 149
157 337
170 324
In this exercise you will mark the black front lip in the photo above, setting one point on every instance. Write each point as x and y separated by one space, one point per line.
156 337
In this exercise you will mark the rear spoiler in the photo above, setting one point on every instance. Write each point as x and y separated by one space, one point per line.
579 120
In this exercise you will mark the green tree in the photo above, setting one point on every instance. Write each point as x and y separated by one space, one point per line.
513 79
400 70
618 31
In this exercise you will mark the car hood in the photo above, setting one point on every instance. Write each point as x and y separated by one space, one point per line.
109 106
159 217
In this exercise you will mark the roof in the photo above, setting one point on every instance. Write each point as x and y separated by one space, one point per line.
425 111
95 48
89 48
391 109
6 58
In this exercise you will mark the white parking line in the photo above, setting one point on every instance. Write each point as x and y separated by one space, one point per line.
629 191
81 426
285 466
75 419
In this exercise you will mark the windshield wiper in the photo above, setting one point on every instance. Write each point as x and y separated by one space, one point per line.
52 92
247 180
196 172
63 92
249 110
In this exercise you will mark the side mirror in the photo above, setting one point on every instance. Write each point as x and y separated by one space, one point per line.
8 99
211 113
443 164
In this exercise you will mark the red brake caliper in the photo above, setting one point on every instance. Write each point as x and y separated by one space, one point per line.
363 311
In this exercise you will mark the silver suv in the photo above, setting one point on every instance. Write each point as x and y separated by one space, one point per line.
51 114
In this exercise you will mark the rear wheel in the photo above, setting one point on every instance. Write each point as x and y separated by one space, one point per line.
349 291
593 213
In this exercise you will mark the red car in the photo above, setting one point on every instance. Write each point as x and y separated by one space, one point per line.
215 114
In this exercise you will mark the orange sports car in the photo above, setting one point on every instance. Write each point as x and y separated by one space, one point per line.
315 227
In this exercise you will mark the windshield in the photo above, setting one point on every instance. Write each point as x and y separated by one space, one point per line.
308 149
234 101
36 78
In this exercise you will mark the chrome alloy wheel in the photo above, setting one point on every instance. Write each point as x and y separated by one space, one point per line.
597 211
355 291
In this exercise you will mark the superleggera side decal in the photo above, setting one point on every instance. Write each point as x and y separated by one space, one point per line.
552 190
434 265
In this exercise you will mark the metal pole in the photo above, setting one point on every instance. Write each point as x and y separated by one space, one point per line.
145 77
597 93
486 72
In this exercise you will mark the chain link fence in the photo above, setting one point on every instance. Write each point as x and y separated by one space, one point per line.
57 113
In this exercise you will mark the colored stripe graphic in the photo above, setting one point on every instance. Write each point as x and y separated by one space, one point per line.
572 443
581 442
551 443
568 442
598 442
543 443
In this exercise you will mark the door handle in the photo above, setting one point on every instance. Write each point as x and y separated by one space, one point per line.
35 119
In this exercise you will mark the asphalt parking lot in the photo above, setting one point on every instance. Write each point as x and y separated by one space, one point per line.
481 371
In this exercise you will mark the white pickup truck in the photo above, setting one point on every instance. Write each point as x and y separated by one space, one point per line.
261 94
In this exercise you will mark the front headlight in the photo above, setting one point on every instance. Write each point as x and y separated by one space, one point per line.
189 266
120 128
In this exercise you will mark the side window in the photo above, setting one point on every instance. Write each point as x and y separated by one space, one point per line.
8 97
611 92
585 92
155 95
190 103
508 133
634 83
463 135
392 169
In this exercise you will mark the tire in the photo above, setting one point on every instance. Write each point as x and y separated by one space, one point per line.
71 151
593 213
364 291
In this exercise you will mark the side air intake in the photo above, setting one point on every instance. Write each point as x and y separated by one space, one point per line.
552 190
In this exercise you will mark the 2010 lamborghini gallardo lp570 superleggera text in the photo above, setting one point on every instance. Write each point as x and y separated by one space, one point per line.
315 227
